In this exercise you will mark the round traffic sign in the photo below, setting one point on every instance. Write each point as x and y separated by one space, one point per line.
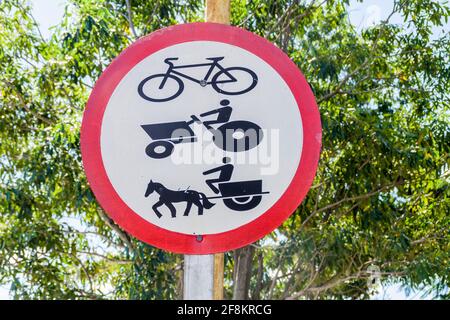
200 138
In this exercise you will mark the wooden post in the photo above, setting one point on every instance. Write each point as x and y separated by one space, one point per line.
218 11
218 276
203 275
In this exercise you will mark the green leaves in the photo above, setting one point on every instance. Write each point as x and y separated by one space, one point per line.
381 195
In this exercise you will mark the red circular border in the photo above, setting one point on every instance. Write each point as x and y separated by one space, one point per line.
174 241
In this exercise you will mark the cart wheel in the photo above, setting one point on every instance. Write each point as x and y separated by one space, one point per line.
153 152
242 203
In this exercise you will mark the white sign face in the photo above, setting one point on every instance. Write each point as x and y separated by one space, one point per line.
201 137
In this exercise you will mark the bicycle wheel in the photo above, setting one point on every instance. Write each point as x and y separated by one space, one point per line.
228 86
149 88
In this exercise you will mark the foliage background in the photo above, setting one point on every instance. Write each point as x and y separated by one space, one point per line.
381 196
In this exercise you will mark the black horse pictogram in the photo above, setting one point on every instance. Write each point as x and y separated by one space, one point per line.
167 197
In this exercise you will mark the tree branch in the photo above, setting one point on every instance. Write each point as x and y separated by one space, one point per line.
364 64
359 197
25 105
130 18
118 261
122 234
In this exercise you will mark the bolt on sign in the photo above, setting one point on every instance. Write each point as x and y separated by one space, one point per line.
200 138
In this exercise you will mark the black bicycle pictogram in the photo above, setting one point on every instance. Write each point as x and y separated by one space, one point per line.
154 88
234 136
236 195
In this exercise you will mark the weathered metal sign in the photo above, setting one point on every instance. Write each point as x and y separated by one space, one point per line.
201 138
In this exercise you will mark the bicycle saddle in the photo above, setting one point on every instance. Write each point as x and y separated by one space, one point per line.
169 59
215 58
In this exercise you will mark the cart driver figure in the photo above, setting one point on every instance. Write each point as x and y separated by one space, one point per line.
225 170
223 114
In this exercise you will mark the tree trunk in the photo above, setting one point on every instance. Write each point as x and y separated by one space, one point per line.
242 272
256 294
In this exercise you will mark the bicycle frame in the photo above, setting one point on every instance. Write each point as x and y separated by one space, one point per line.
172 70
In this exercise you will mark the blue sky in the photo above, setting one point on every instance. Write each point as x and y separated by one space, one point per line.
49 12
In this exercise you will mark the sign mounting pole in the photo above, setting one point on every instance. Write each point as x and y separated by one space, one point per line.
203 274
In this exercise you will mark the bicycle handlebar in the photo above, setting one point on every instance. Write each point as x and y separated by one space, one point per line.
194 119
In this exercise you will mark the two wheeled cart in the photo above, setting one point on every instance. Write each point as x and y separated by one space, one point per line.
241 195
232 136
